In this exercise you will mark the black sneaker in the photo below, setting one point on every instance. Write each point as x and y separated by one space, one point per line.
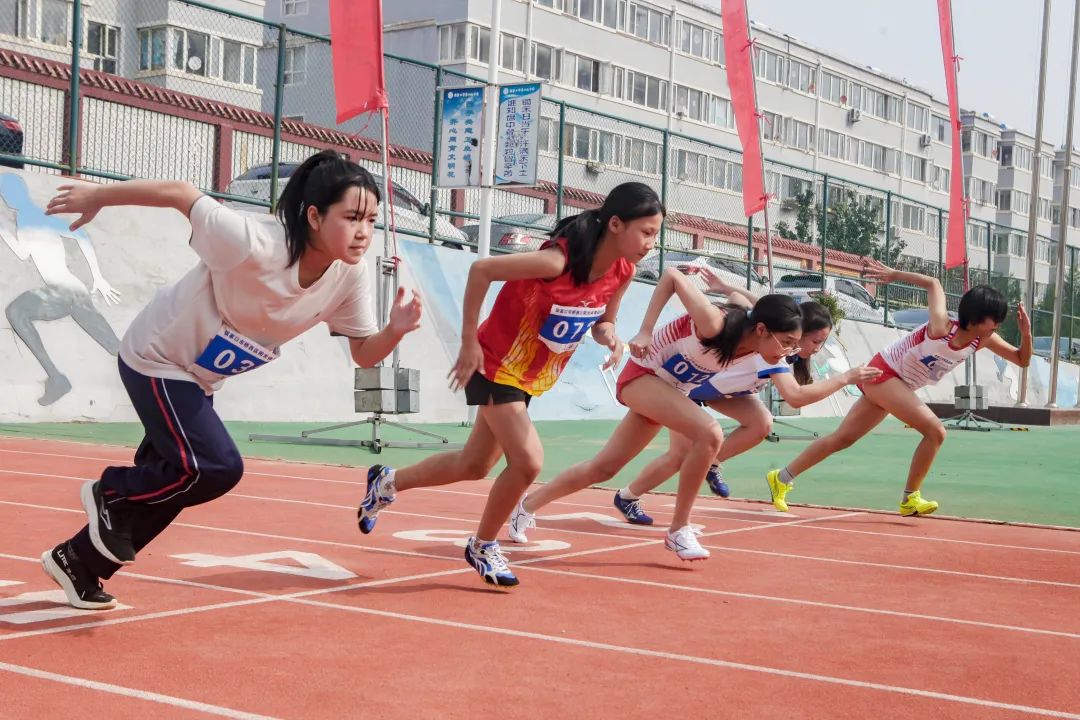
83 590
110 524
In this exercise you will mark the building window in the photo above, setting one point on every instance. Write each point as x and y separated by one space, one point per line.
833 88
773 126
641 89
237 62
875 102
799 134
294 7
641 156
913 217
44 20
103 42
611 13
800 76
832 144
479 43
582 72
918 118
915 168
699 41
939 178
691 166
942 130
296 65
725 174
649 23
191 52
546 62
584 9
453 42
769 65
152 48
512 53
874 156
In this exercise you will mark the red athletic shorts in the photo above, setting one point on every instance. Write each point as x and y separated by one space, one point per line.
887 373
631 371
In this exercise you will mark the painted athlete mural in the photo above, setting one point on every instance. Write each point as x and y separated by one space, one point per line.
33 236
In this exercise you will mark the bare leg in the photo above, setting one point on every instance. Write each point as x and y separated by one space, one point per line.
514 432
755 424
863 417
659 470
472 462
903 404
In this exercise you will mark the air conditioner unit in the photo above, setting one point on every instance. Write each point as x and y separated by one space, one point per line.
594 167
854 115
894 233
925 140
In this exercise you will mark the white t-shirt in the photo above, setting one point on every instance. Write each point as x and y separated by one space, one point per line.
233 311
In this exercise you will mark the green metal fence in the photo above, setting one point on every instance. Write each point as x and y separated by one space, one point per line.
269 89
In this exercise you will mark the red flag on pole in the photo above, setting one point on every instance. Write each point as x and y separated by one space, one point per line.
356 42
738 54
955 243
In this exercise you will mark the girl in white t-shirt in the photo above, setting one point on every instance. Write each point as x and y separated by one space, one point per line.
259 283
664 368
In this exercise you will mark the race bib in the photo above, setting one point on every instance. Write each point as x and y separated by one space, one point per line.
565 327
686 372
230 353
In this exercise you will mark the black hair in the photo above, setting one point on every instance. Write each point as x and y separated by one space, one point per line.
778 313
815 316
979 303
628 201
319 182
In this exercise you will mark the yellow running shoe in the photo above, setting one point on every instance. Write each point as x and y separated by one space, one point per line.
778 490
915 505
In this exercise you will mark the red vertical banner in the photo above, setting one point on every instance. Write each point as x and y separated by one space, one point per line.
739 56
356 42
955 240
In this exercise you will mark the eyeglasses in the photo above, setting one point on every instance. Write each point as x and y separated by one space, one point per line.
793 349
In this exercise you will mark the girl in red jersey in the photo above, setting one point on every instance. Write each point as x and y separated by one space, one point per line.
550 299
924 357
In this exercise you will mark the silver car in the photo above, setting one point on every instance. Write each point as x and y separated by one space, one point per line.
856 302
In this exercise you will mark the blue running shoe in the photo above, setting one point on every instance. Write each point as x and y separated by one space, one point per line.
715 478
631 510
489 561
380 493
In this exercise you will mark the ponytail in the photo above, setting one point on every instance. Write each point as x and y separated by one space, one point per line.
584 232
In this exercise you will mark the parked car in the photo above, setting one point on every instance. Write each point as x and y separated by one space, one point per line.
857 303
409 213
11 140
911 318
1041 346
731 269
514 233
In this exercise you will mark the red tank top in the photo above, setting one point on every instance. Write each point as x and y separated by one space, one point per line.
535 325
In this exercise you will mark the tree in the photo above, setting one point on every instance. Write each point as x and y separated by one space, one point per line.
784 230
805 215
1010 288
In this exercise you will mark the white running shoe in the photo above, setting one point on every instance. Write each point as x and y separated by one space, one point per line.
520 521
684 543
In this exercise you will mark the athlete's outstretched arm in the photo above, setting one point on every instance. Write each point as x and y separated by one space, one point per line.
935 294
1017 355
86 199
798 396
708 319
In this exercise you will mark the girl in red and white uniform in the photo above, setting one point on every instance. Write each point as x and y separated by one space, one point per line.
922 358
665 367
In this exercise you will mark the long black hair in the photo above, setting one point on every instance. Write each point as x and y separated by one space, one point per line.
778 313
979 303
319 182
815 316
627 202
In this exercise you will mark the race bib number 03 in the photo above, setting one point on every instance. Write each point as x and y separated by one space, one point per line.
231 353
686 372
565 327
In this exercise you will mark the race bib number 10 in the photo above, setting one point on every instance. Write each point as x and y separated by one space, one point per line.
230 353
565 327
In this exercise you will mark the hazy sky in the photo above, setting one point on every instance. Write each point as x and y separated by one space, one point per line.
998 39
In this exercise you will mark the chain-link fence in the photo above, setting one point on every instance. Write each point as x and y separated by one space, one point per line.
234 107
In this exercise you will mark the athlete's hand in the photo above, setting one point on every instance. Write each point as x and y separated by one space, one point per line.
861 374
78 200
469 360
1023 320
640 345
877 270
405 316
713 282
107 291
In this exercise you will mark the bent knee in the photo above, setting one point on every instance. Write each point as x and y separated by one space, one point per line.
710 437
935 433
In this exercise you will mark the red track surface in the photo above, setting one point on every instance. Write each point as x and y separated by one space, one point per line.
817 614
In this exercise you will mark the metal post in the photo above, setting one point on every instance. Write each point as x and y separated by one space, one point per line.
562 161
941 246
989 254
1063 232
888 238
749 249
1029 288
824 227
73 114
1072 304
664 165
436 139
490 135
279 101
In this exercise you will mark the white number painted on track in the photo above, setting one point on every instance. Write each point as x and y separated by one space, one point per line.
55 600
311 565
460 537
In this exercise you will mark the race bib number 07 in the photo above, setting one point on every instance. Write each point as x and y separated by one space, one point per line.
230 353
565 327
